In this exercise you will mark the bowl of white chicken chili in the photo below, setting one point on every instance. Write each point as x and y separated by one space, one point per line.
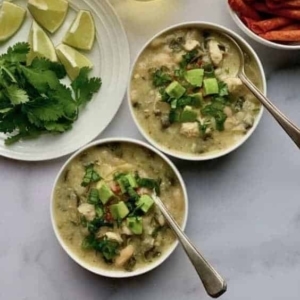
102 209
184 94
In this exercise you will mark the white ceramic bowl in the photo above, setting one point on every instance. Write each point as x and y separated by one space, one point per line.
257 38
118 273
208 156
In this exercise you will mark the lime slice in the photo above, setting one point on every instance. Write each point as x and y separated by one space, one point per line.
72 60
40 44
81 34
11 19
50 14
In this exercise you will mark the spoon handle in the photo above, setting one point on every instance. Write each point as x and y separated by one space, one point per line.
291 129
213 283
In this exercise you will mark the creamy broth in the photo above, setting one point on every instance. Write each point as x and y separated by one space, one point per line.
220 119
76 211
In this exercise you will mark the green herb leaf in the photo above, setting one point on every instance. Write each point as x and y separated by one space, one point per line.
40 79
16 95
223 89
188 58
93 197
15 54
94 225
84 88
58 126
149 183
215 110
160 78
188 101
43 109
43 64
90 176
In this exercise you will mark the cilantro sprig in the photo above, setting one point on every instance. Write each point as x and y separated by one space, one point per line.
33 100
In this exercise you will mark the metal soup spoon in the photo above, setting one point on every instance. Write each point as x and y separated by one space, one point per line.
213 283
291 129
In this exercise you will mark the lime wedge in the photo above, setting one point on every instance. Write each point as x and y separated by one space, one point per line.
72 60
81 34
50 14
40 44
11 19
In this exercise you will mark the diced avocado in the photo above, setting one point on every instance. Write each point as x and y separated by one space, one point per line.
123 183
211 86
145 202
188 115
119 210
195 77
131 180
175 90
135 224
105 193
197 99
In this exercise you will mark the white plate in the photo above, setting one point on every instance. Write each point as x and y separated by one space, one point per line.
110 56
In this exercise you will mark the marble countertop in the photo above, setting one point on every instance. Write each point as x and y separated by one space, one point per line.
244 208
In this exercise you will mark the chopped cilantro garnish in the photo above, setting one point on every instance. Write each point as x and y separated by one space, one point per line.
189 57
108 248
93 197
90 176
149 183
223 89
160 78
215 110
33 101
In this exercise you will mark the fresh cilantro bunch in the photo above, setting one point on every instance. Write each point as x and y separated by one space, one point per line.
33 101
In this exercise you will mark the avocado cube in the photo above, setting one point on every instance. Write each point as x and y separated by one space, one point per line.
197 99
105 193
195 77
131 181
211 86
135 224
114 211
123 183
175 90
119 210
188 115
145 202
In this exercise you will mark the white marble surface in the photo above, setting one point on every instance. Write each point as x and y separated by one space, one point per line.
244 208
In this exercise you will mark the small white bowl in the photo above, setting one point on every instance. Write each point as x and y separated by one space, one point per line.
257 38
208 156
118 273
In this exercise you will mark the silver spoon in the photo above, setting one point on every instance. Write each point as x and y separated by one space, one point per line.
213 283
291 129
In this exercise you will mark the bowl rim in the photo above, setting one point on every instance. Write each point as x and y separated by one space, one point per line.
118 273
257 38
210 26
